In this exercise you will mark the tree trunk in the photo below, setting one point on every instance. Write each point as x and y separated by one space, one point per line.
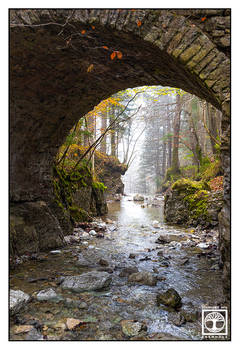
85 136
213 127
169 143
176 129
103 145
164 150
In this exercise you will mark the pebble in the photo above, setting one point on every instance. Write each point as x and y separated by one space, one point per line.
72 323
22 329
47 294
93 233
55 252
203 245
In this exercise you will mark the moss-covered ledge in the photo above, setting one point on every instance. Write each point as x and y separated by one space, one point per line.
192 203
77 196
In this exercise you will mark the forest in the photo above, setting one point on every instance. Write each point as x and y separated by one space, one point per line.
159 134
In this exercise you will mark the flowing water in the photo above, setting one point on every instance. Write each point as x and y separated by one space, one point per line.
102 312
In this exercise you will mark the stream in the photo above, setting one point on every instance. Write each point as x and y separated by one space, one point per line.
129 241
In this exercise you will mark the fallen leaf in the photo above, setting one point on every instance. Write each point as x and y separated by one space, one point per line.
139 23
23 329
119 55
113 55
89 70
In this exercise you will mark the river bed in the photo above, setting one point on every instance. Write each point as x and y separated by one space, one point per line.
130 241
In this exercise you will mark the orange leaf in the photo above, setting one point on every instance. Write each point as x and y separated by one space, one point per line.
90 68
105 47
83 31
93 27
203 19
139 23
119 55
113 55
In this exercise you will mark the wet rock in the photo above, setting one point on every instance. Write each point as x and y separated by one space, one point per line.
175 245
82 261
145 258
164 263
161 278
163 239
117 197
75 303
184 261
170 298
33 334
94 280
92 233
190 316
103 262
55 252
34 280
72 323
85 235
143 277
82 305
128 271
70 239
22 329
156 224
132 328
18 299
203 245
138 198
106 269
176 318
100 235
215 267
47 294
132 256
60 325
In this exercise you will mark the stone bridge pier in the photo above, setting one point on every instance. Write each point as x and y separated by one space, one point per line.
51 88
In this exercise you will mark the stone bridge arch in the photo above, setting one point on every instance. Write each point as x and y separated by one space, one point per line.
50 87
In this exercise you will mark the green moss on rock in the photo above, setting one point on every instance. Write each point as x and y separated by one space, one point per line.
189 186
192 203
75 194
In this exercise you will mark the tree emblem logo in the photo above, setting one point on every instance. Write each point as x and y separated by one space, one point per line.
214 321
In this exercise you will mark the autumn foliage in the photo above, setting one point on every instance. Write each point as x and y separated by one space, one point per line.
216 184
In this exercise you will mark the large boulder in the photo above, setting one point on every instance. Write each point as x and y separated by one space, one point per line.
18 299
48 295
132 328
170 298
94 280
138 198
192 203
